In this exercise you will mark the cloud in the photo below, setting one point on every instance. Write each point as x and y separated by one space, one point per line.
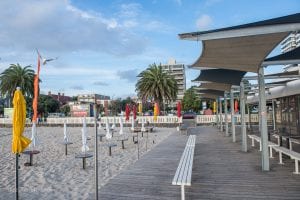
129 75
59 26
100 83
204 22
77 87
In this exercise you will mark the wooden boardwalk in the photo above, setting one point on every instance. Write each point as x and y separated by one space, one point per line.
221 171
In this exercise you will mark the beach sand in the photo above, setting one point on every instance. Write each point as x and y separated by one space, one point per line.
56 176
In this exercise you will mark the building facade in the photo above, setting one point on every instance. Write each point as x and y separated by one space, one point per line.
178 72
289 43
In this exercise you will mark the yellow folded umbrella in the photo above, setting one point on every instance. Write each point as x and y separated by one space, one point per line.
19 142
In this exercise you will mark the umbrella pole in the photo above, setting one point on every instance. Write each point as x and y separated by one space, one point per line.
96 152
17 176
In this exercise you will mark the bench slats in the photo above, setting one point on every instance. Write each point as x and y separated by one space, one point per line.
184 171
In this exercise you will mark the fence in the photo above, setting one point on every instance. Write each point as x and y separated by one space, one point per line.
200 119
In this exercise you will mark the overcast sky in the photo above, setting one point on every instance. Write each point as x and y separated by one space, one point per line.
102 45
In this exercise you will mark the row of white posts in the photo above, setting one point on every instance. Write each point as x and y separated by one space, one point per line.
262 118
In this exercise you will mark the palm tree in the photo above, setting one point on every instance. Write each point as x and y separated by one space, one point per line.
157 84
16 76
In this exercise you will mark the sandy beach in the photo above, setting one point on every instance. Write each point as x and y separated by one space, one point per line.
57 176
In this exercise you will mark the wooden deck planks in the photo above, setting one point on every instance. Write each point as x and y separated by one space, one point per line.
220 171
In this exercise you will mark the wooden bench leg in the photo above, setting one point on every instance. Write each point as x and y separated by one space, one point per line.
182 193
296 167
109 151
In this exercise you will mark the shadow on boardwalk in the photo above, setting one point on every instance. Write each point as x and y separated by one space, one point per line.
221 171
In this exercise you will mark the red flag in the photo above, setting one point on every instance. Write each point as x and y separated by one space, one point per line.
236 106
127 112
178 109
36 92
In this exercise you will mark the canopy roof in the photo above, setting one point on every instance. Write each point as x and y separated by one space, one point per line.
287 74
231 77
208 96
212 92
215 86
242 47
290 57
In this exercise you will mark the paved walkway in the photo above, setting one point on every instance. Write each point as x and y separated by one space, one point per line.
220 171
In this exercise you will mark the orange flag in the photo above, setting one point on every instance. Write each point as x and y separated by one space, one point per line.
36 92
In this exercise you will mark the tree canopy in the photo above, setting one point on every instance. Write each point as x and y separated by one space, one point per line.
156 84
191 101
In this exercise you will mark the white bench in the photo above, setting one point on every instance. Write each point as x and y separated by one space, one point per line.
257 138
183 173
292 154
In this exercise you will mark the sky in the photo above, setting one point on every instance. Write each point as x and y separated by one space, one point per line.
102 45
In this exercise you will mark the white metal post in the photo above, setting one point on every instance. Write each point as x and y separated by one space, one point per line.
226 114
263 120
243 124
273 114
232 116
221 118
217 112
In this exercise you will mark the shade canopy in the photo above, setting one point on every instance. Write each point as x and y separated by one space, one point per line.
225 76
242 47
208 96
215 86
290 57
213 92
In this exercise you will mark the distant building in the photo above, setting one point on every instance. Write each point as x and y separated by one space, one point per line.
60 97
291 42
178 72
88 99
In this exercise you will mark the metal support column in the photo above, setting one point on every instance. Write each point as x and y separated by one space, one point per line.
263 116
273 114
217 113
226 114
221 117
232 116
243 124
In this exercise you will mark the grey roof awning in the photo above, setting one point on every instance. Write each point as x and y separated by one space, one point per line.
290 57
212 92
215 86
225 76
243 47
208 96
288 74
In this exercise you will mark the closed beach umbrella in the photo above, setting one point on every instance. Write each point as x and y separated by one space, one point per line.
84 147
132 124
66 137
19 142
134 112
236 106
127 112
121 126
141 108
214 107
113 126
34 140
143 126
178 109
156 111
108 135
